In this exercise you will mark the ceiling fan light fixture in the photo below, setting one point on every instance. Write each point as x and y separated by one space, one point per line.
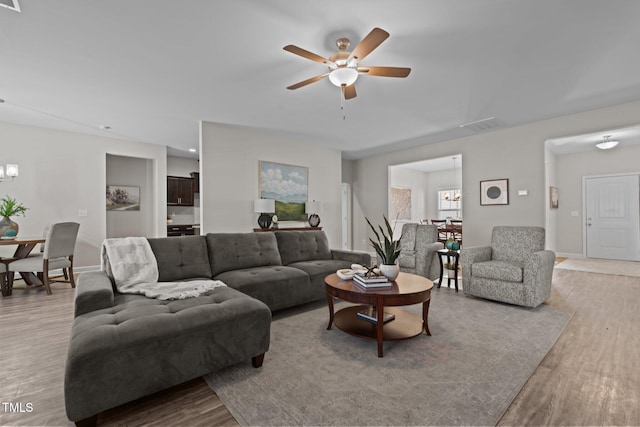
343 76
607 144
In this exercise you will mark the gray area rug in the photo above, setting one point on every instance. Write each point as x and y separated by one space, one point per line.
478 358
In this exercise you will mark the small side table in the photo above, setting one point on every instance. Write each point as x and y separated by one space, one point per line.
448 254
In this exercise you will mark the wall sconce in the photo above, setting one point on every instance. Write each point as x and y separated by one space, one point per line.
264 207
10 174
313 208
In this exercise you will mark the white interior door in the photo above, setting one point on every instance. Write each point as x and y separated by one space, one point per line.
345 191
613 217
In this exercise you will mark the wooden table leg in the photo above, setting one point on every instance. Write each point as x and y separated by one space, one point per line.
380 325
441 269
330 304
425 316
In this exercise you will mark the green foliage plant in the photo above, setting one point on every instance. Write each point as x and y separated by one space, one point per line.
386 247
10 207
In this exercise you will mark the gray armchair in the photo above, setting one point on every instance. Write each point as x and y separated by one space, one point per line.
515 269
418 244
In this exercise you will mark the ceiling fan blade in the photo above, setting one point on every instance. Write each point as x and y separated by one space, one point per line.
385 71
349 91
369 43
308 81
306 54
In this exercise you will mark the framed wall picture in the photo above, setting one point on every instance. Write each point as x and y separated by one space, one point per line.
553 197
288 185
123 198
494 192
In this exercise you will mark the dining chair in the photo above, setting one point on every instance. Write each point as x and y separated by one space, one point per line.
456 227
3 279
58 254
442 233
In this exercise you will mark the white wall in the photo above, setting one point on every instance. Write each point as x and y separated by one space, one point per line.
569 172
64 172
131 171
516 153
441 180
229 159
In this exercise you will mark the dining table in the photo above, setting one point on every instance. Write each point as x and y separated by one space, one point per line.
24 246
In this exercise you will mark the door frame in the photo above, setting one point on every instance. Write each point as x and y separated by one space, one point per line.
584 202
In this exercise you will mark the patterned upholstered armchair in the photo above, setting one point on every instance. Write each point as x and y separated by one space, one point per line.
419 244
515 269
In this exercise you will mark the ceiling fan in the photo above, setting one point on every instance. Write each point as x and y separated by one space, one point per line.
344 66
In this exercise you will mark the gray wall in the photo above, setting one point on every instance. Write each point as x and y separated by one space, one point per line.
131 171
570 168
517 154
64 172
229 157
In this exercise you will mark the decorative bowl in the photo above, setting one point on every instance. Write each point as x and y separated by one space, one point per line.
345 274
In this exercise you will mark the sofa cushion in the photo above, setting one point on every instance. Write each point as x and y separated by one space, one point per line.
498 270
235 251
181 258
277 286
295 246
319 269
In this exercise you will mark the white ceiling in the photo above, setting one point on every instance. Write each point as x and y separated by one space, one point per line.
152 69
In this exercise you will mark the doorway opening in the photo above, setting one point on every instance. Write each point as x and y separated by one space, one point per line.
425 190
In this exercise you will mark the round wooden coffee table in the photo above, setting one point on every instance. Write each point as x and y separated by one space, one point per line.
407 289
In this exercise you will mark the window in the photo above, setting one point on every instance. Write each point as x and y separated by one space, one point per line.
449 203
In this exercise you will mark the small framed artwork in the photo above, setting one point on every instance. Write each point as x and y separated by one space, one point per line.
494 192
123 198
553 197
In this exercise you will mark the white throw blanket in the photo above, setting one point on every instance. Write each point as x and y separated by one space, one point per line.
134 269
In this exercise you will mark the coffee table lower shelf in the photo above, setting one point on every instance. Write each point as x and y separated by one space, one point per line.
406 325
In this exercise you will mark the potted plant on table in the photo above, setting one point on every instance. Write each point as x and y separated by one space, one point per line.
450 267
10 207
387 248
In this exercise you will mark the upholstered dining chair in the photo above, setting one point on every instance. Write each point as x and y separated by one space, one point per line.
515 269
58 254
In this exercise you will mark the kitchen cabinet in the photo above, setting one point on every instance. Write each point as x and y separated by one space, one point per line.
196 181
180 230
179 191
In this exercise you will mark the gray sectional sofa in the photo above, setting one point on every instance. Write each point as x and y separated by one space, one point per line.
125 346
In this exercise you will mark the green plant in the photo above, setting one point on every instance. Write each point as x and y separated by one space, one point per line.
449 266
10 207
387 249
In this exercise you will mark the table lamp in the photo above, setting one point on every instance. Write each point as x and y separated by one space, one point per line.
264 207
312 208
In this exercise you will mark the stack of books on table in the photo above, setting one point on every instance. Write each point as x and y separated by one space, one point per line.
371 282
370 314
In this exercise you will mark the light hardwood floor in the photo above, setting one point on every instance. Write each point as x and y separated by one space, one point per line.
590 376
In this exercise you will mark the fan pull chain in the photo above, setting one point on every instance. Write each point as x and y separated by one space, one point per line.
342 110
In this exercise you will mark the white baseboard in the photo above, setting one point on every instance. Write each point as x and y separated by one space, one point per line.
569 255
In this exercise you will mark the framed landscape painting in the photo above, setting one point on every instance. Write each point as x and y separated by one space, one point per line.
123 198
288 185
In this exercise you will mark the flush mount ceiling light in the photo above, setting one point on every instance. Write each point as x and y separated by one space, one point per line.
606 143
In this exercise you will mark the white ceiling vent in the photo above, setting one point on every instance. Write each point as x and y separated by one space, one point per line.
482 125
11 4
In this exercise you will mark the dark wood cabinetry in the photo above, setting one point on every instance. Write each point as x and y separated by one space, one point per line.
180 230
179 191
196 181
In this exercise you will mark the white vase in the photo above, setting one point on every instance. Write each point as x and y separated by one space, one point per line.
390 271
451 273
